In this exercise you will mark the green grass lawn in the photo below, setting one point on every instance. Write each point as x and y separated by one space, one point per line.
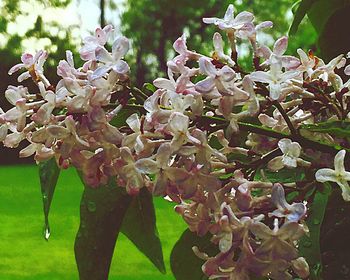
24 254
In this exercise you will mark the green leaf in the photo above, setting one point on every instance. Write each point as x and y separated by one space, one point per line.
336 128
304 7
282 176
309 246
139 226
120 119
48 173
102 211
149 87
184 262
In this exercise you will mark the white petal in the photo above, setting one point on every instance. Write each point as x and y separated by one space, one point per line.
146 165
134 122
103 55
120 47
121 67
339 162
207 67
280 46
326 175
164 83
260 76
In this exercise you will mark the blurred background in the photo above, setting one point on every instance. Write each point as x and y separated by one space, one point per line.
151 25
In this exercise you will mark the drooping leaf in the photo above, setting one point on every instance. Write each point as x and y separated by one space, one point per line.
336 128
303 8
139 225
309 246
48 173
102 211
184 263
331 42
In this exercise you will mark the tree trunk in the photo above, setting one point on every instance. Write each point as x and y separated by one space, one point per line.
102 17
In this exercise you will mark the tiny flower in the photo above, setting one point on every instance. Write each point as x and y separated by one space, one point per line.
33 65
339 175
91 43
274 77
291 152
112 61
279 48
219 49
231 23
292 212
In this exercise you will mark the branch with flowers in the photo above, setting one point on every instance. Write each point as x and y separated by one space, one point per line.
229 147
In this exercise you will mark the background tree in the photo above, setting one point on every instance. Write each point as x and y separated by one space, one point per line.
153 26
55 37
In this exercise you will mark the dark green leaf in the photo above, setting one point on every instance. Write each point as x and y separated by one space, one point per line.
333 43
120 118
184 263
284 175
139 226
300 13
48 172
310 245
102 211
336 128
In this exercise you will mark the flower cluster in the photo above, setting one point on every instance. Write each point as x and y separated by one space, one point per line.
195 140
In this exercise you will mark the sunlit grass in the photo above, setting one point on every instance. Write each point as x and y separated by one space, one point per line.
24 254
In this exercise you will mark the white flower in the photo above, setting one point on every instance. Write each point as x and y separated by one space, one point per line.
112 61
292 212
276 79
338 175
230 22
291 152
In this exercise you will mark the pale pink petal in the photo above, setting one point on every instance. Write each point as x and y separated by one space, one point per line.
280 46
121 67
210 20
27 59
100 36
120 47
103 55
100 72
180 45
243 18
278 197
207 67
23 76
260 76
218 42
229 14
264 25
206 85
15 68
